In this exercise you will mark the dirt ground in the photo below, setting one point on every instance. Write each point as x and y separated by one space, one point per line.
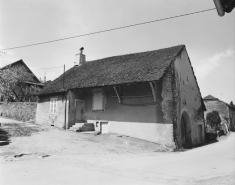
32 154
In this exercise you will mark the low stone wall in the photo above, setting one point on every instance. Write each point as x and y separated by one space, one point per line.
23 111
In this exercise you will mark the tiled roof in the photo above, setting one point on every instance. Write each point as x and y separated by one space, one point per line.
209 97
130 68
31 78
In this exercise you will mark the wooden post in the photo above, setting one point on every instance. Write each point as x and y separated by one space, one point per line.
63 76
153 91
115 89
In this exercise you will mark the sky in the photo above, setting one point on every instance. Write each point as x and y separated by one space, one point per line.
209 39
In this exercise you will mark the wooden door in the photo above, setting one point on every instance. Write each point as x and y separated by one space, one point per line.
79 109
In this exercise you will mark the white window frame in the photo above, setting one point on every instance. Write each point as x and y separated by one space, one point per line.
95 91
53 105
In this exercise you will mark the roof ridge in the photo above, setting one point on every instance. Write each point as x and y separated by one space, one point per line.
209 96
21 60
11 64
182 45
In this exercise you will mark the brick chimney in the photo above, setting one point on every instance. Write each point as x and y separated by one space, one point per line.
80 58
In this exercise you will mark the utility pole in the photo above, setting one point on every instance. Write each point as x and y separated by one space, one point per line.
63 76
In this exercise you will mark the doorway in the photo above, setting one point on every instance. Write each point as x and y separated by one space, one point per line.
79 110
186 130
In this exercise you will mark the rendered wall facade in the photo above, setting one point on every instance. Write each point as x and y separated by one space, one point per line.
114 111
45 117
154 132
136 117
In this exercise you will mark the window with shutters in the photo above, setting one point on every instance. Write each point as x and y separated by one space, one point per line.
53 105
98 100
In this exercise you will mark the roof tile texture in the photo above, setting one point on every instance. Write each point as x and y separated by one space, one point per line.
130 68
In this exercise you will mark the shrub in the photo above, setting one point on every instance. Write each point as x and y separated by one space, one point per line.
213 119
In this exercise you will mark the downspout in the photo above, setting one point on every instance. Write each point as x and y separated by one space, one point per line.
64 96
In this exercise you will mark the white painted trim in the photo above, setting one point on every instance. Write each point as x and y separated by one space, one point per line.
54 97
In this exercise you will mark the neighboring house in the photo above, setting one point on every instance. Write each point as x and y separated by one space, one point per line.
151 95
226 111
29 87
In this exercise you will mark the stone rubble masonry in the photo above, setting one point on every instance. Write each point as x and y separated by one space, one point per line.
227 114
167 95
22 111
219 106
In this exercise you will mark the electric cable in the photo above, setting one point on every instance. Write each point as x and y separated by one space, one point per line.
112 29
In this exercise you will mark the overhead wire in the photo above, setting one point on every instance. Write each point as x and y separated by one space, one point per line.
47 68
112 29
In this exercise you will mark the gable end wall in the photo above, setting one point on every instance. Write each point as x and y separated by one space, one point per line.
188 100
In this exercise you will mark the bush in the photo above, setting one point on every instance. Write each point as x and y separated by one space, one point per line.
213 119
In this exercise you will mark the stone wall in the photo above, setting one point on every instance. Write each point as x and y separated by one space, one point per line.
167 97
227 114
23 111
189 106
219 106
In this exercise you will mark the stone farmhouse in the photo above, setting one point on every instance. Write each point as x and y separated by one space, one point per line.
226 111
150 95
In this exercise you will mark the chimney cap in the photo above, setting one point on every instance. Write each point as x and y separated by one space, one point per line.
81 50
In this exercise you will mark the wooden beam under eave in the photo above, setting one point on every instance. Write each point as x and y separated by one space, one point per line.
115 89
153 91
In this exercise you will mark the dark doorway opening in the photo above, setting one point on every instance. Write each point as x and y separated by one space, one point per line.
186 130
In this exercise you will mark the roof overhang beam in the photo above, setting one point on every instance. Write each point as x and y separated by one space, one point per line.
153 91
115 89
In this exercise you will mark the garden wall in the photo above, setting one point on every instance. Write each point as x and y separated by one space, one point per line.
22 111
